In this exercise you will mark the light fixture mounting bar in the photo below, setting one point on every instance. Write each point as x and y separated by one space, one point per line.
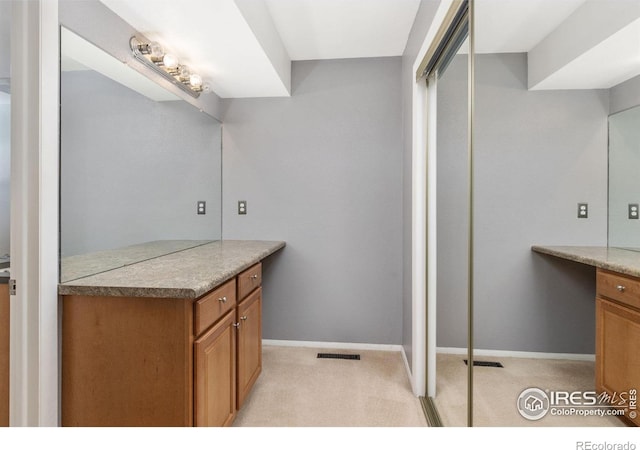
137 45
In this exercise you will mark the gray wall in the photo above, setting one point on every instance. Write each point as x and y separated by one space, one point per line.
5 172
537 155
421 25
625 95
133 169
322 170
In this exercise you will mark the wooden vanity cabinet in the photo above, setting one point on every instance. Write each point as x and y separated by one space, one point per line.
4 355
140 361
618 338
249 343
127 361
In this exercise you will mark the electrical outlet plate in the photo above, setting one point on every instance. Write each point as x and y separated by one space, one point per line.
202 207
633 211
242 207
583 210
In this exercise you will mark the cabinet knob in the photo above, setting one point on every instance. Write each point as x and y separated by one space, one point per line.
237 325
223 299
254 277
621 288
243 318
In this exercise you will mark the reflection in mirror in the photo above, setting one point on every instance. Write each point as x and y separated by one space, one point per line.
5 156
452 242
624 179
135 160
5 139
540 137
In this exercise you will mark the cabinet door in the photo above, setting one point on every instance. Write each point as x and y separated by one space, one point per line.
4 355
617 355
249 343
215 374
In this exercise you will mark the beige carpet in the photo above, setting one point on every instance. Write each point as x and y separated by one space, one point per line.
296 389
496 391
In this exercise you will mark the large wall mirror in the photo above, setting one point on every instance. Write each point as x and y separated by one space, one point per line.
5 131
624 179
135 162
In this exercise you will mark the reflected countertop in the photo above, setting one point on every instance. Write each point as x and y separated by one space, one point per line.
188 273
5 264
84 265
610 258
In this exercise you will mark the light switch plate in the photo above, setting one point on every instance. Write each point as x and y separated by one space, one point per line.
242 207
583 210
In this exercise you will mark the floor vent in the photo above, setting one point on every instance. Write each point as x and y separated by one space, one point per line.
338 356
484 363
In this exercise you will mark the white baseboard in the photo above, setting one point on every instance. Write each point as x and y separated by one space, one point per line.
514 354
407 368
336 345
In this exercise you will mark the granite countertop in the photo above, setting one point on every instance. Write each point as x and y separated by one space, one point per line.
609 258
188 273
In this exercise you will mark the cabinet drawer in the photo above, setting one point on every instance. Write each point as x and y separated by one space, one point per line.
214 305
249 280
621 288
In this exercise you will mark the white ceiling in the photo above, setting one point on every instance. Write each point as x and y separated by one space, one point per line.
331 29
212 38
215 39
612 61
514 26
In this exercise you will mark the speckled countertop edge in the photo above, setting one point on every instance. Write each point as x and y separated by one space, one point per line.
610 258
190 273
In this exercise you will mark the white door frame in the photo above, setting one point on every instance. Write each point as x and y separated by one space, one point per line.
34 367
423 227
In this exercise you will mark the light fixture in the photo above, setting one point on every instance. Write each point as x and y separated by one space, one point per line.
152 55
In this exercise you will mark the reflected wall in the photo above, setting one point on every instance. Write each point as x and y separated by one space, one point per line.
624 179
135 160
5 129
133 169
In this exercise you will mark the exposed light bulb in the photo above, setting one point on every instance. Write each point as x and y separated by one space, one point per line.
155 51
184 73
195 80
170 62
